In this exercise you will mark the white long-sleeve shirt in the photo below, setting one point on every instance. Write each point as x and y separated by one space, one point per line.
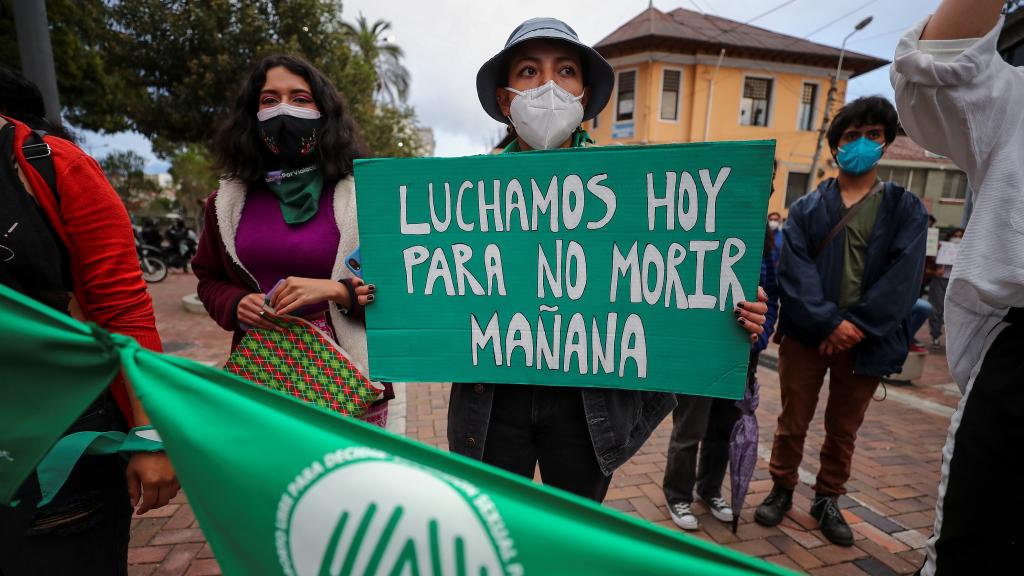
963 101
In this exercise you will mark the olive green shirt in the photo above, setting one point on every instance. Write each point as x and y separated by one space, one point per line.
855 251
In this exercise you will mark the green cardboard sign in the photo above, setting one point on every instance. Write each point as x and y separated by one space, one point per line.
609 267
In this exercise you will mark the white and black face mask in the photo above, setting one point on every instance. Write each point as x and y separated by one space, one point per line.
290 132
545 116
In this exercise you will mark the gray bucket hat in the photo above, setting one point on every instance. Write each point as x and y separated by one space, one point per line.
598 74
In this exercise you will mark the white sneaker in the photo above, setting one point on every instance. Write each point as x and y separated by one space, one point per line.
683 516
719 508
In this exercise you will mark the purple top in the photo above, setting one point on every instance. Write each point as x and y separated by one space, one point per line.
272 250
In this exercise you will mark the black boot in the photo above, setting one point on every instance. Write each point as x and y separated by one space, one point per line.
774 507
831 521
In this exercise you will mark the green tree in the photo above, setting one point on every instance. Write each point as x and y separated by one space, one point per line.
89 91
125 169
393 129
181 100
171 69
194 180
374 45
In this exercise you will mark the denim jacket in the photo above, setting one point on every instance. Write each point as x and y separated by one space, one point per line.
619 421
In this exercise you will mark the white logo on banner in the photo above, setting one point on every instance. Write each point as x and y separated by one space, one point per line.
362 511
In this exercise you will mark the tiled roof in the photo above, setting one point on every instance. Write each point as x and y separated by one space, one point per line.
905 149
686 31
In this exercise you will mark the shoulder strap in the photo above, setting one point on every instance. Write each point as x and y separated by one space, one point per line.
37 152
850 214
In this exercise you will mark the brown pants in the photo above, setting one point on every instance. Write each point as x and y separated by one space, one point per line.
801 375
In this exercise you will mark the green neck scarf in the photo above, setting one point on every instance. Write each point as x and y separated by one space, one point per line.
298 192
580 139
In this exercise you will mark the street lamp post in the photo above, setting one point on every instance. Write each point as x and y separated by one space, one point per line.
833 86
36 53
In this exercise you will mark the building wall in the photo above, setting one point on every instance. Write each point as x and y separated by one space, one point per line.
930 181
794 147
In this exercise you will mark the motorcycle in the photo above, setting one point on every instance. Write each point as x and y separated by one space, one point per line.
153 267
179 246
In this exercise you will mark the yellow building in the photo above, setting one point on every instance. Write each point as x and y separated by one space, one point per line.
686 77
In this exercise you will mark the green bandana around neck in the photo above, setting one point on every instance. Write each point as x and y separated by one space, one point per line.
580 139
297 191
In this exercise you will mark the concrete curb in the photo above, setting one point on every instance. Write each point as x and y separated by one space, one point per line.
191 303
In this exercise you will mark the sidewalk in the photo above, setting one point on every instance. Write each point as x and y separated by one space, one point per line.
892 489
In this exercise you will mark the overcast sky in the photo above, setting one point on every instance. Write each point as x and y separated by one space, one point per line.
446 41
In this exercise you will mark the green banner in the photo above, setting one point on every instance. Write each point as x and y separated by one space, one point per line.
280 487
33 413
609 266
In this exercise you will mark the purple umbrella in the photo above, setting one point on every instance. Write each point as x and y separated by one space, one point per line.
743 449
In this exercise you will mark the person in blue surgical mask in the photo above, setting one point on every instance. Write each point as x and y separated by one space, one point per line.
852 256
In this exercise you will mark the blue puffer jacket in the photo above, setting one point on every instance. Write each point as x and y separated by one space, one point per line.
892 275
770 283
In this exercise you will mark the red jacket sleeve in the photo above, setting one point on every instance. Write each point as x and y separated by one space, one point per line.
219 295
94 226
114 295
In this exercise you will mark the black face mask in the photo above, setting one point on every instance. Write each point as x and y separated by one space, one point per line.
293 140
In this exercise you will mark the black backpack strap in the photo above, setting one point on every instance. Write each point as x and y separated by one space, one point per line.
37 152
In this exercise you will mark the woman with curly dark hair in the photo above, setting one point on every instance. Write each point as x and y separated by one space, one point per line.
283 221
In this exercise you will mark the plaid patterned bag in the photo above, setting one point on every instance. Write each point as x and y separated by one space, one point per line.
306 363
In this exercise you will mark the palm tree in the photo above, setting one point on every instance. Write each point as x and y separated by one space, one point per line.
372 43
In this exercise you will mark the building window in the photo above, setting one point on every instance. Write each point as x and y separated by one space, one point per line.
626 96
670 94
796 186
954 186
757 94
913 179
808 105
900 176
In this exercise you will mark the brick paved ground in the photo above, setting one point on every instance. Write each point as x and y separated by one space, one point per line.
892 491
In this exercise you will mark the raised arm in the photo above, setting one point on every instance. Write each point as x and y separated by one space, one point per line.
958 19
953 91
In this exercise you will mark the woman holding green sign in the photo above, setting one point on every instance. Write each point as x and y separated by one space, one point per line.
544 83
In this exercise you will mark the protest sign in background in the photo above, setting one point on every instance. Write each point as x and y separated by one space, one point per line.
946 254
616 266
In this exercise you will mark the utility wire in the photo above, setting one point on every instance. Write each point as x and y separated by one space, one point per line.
881 34
851 12
754 19
709 8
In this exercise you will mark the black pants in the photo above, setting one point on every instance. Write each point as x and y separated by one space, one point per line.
85 529
978 527
545 426
707 423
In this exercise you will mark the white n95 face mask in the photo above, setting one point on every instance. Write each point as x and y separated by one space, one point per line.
545 116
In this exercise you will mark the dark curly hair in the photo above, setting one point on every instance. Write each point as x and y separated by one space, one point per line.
237 146
861 112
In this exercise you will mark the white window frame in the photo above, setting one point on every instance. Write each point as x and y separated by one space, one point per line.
679 95
636 91
771 100
815 116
